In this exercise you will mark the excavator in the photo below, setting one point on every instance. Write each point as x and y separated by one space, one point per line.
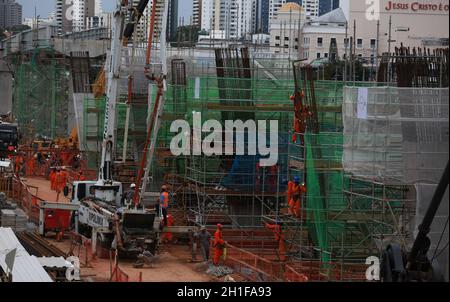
102 216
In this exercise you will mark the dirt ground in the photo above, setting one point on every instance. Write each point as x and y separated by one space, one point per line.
173 265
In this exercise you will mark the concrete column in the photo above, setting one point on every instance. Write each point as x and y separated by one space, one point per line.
5 88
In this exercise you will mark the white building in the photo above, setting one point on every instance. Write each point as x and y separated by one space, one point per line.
319 34
234 18
82 9
32 23
99 21
311 8
285 29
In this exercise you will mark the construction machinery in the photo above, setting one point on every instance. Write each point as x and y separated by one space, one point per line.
70 142
399 265
102 215
9 138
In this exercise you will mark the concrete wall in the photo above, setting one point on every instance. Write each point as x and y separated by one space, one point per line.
5 89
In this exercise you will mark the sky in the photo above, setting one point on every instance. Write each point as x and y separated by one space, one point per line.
45 7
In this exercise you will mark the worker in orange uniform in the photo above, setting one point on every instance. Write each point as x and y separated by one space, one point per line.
52 177
167 237
279 237
293 187
30 166
81 176
301 113
298 202
61 180
219 245
164 203
18 162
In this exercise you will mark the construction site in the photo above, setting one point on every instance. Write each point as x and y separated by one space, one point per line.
90 182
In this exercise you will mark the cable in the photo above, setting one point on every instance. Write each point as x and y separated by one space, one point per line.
439 242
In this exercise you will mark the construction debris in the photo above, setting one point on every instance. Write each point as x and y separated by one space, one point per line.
219 271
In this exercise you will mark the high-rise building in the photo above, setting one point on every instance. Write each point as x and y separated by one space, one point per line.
262 16
10 13
197 12
326 6
82 9
229 19
311 8
141 33
172 22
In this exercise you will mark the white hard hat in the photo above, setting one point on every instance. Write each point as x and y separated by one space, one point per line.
132 186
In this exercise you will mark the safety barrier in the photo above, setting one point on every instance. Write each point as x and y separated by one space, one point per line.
259 269
25 199
6 185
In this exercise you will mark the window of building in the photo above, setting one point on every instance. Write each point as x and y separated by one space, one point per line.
319 42
277 37
373 43
325 55
306 40
286 46
359 43
318 55
286 38
346 42
296 47
277 45
333 41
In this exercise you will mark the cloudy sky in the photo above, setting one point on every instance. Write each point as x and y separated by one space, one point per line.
45 7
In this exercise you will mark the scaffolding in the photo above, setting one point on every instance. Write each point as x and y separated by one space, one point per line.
41 93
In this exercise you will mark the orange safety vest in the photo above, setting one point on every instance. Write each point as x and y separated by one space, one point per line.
164 200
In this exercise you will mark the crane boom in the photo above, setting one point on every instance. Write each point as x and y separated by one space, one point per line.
105 188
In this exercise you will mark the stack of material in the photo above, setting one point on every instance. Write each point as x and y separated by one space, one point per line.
8 218
21 220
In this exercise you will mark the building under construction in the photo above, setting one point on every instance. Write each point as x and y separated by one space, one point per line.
369 155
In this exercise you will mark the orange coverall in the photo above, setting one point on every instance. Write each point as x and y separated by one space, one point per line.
219 245
30 167
60 181
298 203
279 237
292 189
53 180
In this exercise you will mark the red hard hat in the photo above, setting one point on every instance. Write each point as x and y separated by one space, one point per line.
219 225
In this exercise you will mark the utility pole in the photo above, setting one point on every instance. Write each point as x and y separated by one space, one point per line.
354 52
347 42
389 48
377 49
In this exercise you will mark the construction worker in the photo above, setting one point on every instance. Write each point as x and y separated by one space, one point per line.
30 164
204 238
164 203
293 187
18 162
127 198
81 176
168 237
59 182
292 203
279 237
52 177
298 201
219 245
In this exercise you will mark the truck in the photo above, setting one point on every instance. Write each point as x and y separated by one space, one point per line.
9 138
102 215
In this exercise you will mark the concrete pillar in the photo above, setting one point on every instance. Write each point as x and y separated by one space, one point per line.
5 88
